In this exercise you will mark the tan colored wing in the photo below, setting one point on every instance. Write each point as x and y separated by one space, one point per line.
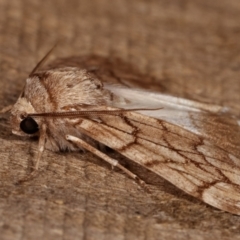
194 164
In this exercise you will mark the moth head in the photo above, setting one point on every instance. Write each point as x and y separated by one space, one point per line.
21 123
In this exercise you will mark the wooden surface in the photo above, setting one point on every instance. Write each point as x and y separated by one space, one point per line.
186 48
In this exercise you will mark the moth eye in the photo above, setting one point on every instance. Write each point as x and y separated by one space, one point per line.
29 125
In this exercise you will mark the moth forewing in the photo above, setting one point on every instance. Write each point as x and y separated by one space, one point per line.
190 162
193 145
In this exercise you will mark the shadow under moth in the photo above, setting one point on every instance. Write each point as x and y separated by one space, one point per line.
193 145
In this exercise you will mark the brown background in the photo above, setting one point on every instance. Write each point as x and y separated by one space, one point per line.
191 48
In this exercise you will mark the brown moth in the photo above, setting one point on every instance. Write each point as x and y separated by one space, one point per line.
191 144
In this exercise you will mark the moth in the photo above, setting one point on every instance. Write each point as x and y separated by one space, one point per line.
193 145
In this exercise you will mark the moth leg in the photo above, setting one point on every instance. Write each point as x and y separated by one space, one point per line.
106 158
41 145
6 109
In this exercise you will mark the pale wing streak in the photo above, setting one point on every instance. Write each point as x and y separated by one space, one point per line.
137 97
205 175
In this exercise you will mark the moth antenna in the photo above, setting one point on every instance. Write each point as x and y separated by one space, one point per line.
89 112
42 61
